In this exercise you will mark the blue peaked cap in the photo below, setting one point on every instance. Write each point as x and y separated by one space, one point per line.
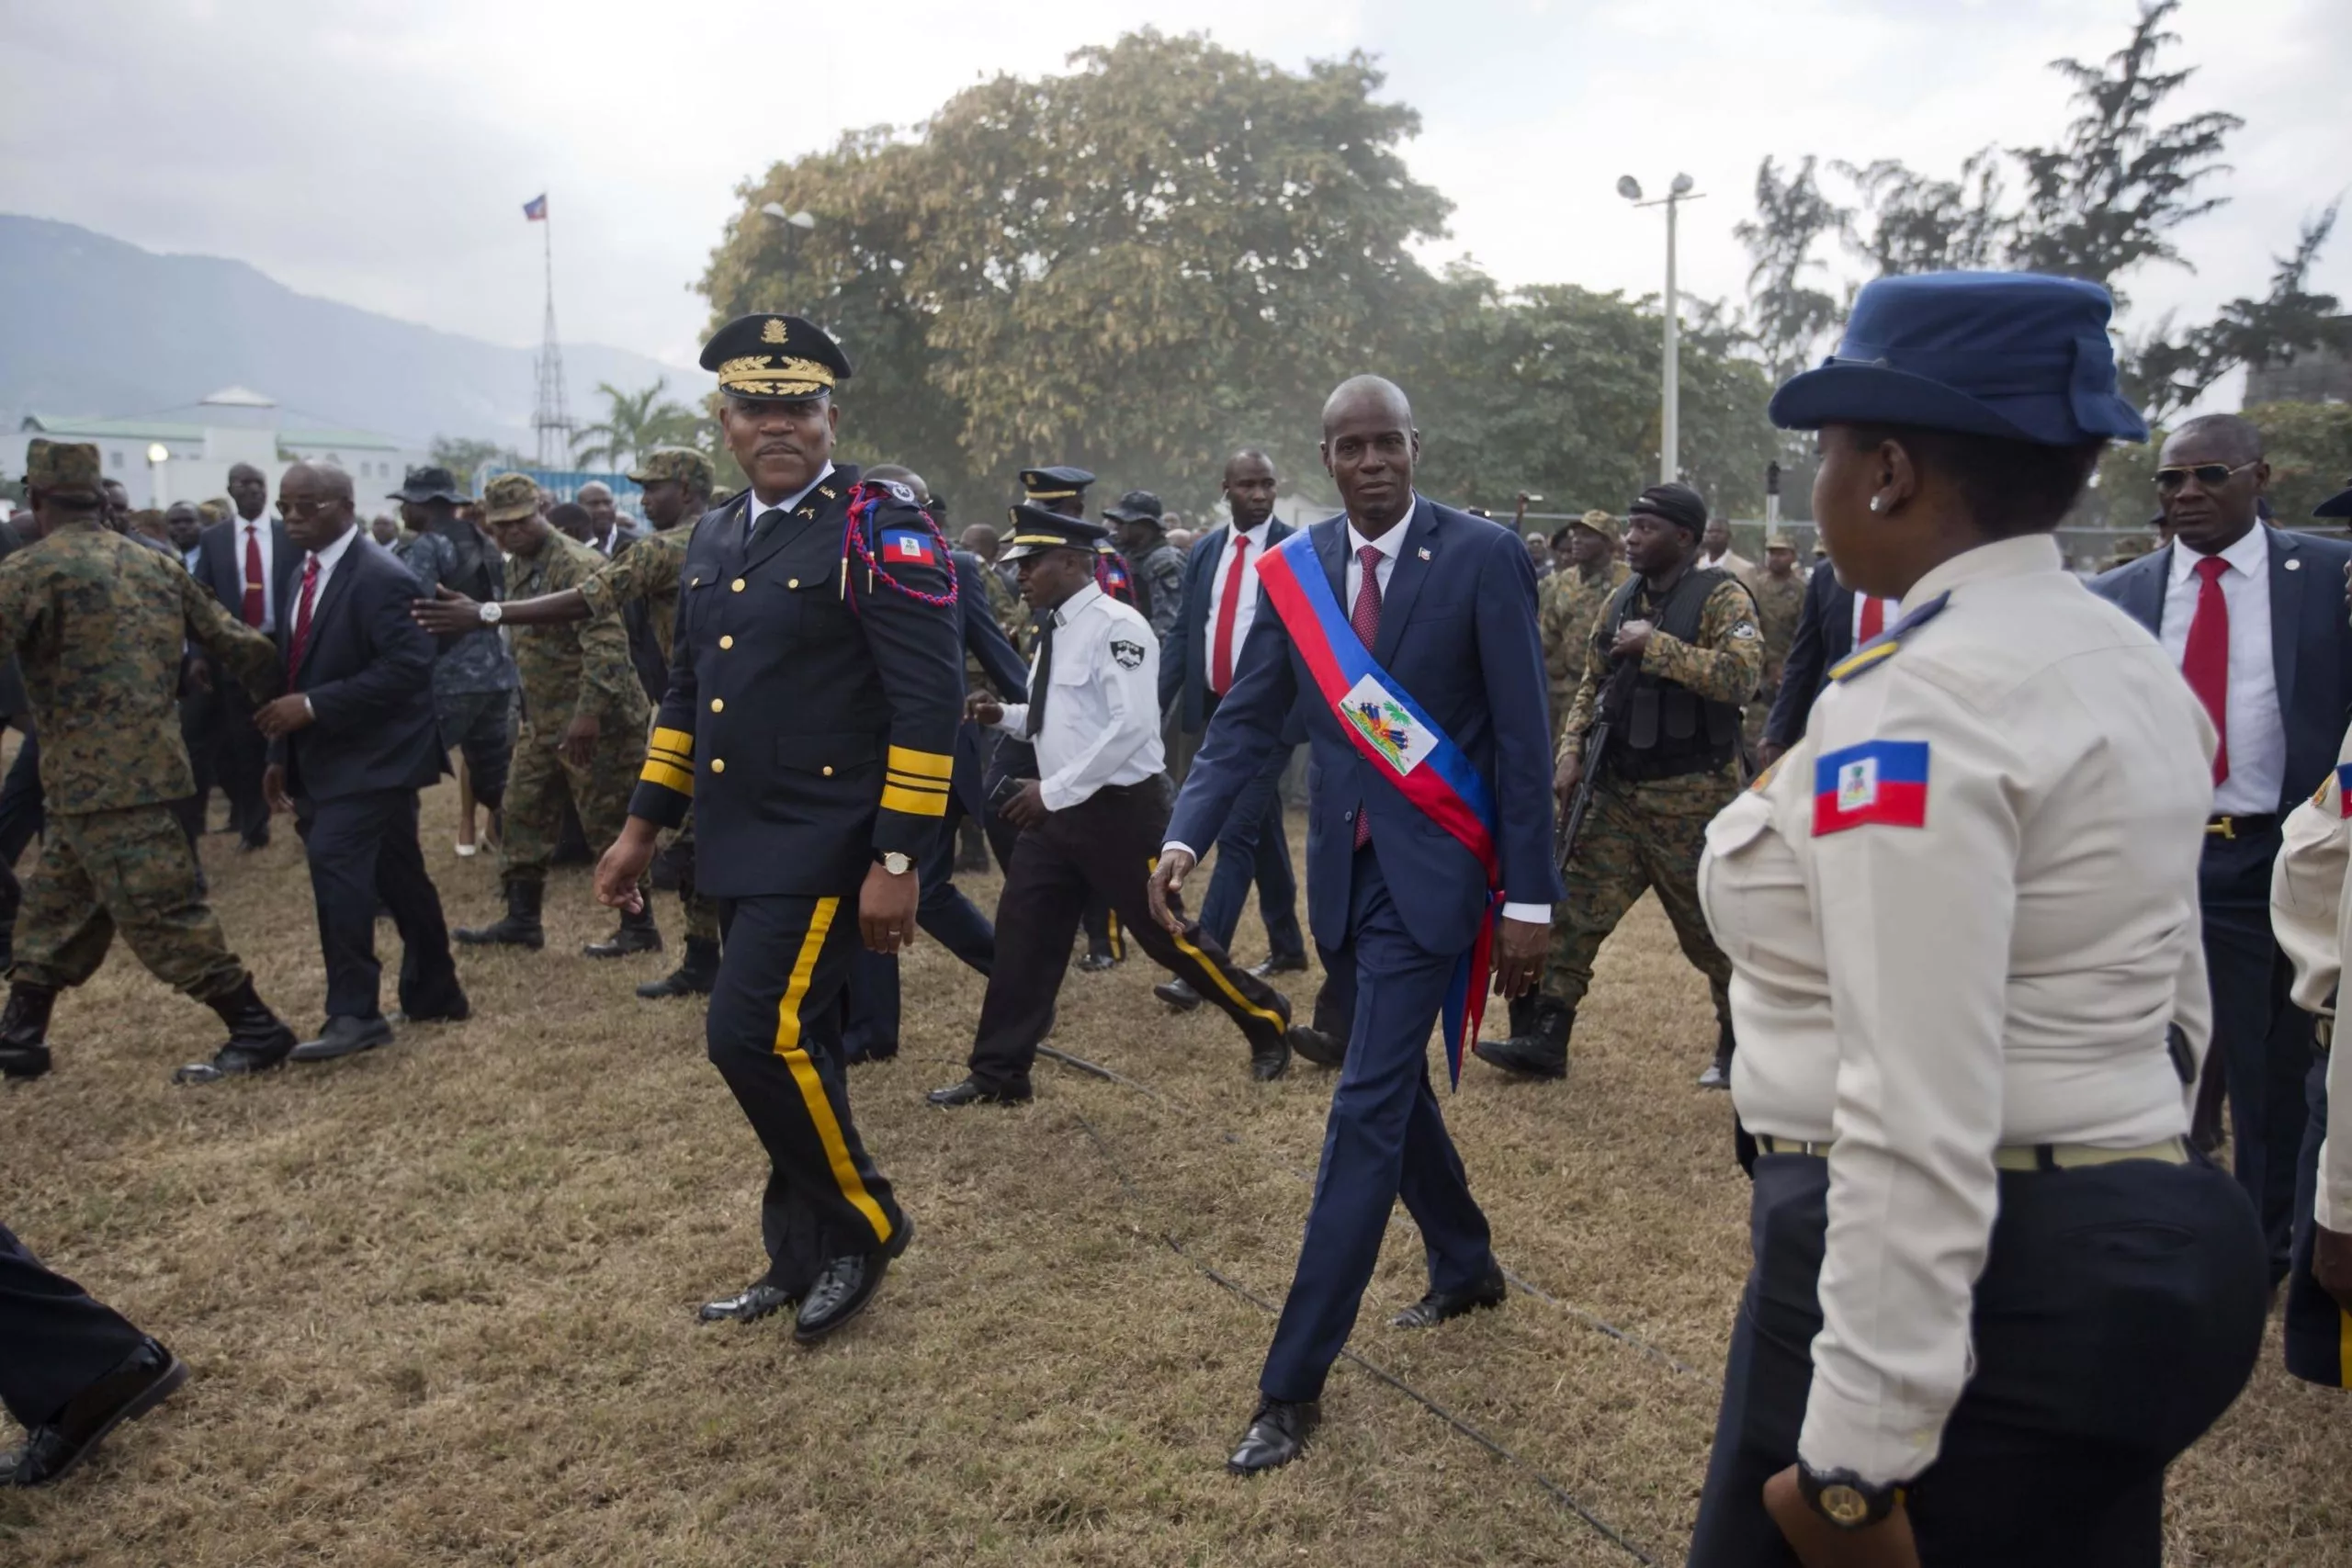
2014 354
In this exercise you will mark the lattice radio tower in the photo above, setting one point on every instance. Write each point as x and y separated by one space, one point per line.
550 421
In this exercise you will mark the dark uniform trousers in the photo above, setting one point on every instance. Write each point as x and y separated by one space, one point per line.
1385 1139
1013 758
773 1031
54 1340
2319 1331
2262 1039
942 914
2120 1312
1101 848
363 849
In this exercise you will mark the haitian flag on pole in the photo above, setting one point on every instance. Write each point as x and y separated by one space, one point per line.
536 210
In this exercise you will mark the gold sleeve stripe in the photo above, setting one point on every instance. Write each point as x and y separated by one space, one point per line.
675 759
678 779
678 740
923 765
907 780
912 803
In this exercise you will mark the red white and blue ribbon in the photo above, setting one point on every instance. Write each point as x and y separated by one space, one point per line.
1401 740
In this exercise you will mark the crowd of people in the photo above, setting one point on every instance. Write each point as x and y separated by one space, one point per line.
1999 884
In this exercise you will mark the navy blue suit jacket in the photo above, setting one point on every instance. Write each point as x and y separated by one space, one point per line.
984 640
1825 634
369 673
1457 631
1185 655
2310 645
221 566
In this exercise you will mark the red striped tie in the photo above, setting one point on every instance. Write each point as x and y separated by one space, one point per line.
255 606
300 642
1873 618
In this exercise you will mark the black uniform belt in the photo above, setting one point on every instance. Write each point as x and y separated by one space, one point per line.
2020 1156
2223 827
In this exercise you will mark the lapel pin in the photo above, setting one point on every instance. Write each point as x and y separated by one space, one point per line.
1424 552
2294 565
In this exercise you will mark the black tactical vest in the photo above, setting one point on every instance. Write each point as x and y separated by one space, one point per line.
1664 730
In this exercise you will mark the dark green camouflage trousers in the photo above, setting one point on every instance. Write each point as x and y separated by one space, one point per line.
541 781
702 914
1639 837
129 871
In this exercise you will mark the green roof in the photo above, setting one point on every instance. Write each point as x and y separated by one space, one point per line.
143 430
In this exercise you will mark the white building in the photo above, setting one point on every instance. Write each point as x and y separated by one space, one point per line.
185 454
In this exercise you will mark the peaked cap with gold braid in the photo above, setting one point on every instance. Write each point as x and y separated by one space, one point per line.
780 357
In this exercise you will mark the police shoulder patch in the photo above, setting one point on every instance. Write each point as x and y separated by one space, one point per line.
1128 653
1745 631
898 490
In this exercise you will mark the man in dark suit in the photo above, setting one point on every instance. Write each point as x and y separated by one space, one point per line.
1830 625
1444 605
75 1369
608 535
1197 665
352 741
247 561
2255 618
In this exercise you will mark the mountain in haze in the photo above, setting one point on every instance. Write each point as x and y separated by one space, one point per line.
96 328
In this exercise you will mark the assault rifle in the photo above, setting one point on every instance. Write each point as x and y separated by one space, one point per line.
1595 755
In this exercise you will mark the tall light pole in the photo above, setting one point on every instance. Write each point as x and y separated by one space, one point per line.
1670 371
157 456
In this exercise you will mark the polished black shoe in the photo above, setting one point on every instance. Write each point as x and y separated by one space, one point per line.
971 1092
696 973
456 1013
1718 1073
1277 1435
521 927
344 1036
1440 1305
1096 962
24 1030
1542 1053
145 1378
1314 1045
637 934
1281 963
846 1285
258 1040
1270 1062
1177 994
750 1307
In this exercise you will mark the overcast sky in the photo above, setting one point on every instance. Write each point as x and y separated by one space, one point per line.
378 151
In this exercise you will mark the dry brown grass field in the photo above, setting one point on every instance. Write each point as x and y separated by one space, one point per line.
439 1300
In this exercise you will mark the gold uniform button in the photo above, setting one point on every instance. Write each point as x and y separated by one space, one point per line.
726 642
718 705
827 772
737 585
792 582
719 764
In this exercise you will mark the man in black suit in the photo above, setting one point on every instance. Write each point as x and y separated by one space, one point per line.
353 740
1197 668
247 562
2255 618
75 1369
1832 623
608 535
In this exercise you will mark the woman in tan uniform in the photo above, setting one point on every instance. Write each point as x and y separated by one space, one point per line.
1992 1294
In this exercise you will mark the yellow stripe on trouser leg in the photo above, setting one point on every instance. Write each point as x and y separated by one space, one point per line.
2344 1348
1217 978
1118 943
804 1071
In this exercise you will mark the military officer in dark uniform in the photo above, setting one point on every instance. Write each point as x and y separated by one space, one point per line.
810 814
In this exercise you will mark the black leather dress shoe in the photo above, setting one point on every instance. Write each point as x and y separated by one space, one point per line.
1277 1435
145 1378
846 1285
750 1307
1271 1063
1314 1045
1096 962
1177 994
970 1092
462 1010
1281 963
344 1036
1440 1305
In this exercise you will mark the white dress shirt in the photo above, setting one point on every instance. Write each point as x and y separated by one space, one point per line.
1103 707
327 559
1887 616
262 531
1999 969
2257 734
1245 609
759 509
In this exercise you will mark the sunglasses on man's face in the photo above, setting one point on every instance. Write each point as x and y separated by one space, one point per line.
2210 475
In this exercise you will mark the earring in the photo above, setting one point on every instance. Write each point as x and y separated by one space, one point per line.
1874 503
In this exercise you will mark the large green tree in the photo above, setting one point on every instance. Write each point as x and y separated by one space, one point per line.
635 424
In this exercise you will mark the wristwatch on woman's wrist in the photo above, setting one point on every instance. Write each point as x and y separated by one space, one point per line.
1844 1499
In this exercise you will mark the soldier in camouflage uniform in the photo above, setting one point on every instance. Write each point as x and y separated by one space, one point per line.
1685 639
678 481
100 625
1568 602
1780 601
584 725
1154 566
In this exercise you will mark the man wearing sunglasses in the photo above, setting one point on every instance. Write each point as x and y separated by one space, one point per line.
2255 617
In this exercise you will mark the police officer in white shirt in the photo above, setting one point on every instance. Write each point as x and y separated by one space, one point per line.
1091 822
1992 1294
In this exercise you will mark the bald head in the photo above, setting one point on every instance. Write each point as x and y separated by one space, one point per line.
1359 393
1370 448
2222 437
315 500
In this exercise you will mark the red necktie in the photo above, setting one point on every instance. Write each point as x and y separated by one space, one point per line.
256 608
1228 609
1873 618
301 642
1365 619
2206 661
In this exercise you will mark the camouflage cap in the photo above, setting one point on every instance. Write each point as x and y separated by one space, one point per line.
681 463
62 467
1597 521
1780 542
508 498
213 511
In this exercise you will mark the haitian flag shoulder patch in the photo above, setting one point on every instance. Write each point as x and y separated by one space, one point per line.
909 547
1879 781
2343 789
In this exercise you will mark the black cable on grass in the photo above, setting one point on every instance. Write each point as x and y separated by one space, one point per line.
1558 1492
1623 1337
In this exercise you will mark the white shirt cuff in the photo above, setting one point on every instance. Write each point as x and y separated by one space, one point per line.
308 709
2332 1202
1016 715
1173 844
1534 914
1880 1442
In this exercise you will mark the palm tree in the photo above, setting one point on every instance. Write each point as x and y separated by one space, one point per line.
634 424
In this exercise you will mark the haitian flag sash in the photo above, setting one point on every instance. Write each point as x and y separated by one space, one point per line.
1403 743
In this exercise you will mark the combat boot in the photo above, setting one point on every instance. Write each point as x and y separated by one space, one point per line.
637 934
521 927
1718 1073
258 1039
1523 1015
1543 1051
24 1030
695 975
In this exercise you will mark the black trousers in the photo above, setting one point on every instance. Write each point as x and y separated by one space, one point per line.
1016 759
363 849
240 753
2262 1042
773 1031
54 1340
870 1024
2318 1332
1103 848
22 815
2119 1312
